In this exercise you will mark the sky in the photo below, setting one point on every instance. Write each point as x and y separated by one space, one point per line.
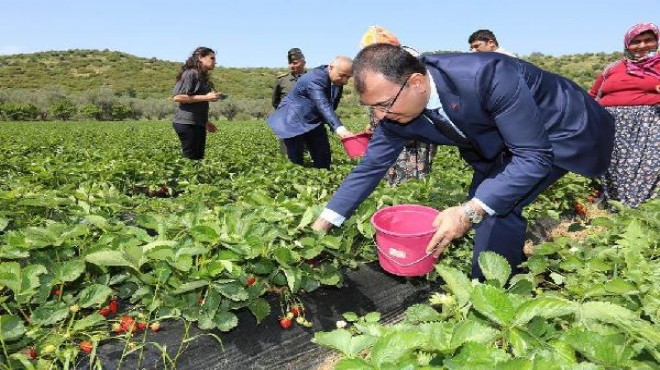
258 33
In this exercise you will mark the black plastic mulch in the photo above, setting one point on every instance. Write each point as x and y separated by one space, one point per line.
267 345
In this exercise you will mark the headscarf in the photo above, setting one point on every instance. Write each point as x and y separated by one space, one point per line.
377 34
634 64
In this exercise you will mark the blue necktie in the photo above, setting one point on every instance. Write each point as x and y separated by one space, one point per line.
445 127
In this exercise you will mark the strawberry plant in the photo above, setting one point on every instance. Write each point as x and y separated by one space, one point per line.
105 230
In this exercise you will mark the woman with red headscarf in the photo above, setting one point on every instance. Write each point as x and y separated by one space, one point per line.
630 90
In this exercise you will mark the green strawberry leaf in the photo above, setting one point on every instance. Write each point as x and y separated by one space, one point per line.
94 295
493 303
494 267
11 328
457 282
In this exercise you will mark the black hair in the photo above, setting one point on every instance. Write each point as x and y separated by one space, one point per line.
194 63
482 35
395 63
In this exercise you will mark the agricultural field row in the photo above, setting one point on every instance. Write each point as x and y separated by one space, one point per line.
107 233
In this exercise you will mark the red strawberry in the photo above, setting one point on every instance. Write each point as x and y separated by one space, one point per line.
155 326
590 199
141 325
251 280
296 310
128 324
105 311
112 306
579 208
86 346
30 353
57 292
285 322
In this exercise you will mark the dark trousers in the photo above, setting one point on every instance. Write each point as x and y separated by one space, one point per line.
317 143
193 140
505 234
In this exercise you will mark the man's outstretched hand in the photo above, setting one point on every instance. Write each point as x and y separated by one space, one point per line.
452 223
321 225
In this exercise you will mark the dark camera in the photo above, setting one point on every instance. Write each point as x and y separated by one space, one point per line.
222 96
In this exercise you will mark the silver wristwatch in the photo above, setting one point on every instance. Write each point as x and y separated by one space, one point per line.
474 216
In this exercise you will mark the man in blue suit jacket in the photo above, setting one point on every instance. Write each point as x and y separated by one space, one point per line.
312 101
519 127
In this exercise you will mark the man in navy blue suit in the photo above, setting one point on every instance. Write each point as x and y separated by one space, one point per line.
299 118
519 127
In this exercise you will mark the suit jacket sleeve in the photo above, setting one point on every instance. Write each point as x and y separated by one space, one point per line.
504 92
316 93
382 152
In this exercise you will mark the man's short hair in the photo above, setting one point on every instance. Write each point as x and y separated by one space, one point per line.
395 63
482 35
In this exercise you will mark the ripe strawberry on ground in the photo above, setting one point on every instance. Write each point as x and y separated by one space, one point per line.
285 322
296 311
86 346
57 292
128 324
30 353
251 280
141 325
112 306
105 311
579 208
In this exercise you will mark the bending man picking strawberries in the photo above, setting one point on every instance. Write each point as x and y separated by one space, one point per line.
520 128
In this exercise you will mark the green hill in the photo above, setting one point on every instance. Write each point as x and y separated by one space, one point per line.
111 85
77 71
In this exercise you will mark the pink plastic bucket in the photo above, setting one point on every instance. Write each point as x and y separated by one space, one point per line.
356 145
402 234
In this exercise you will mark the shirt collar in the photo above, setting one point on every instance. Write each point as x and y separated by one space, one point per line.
434 98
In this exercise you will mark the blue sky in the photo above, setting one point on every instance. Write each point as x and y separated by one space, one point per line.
254 33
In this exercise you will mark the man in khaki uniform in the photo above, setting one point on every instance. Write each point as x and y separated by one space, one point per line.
286 81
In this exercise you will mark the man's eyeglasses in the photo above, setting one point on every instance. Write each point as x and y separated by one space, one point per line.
387 109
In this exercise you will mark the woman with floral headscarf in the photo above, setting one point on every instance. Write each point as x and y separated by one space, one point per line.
415 160
630 90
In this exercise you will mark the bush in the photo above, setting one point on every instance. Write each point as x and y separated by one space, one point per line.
91 111
19 111
63 109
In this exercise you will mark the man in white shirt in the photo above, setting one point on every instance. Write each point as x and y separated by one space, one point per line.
484 40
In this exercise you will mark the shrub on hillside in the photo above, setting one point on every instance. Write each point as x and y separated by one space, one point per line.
19 111
63 109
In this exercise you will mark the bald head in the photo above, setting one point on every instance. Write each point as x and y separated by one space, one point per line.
340 70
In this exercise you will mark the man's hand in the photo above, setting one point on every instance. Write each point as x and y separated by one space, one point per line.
343 132
321 225
211 127
452 223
